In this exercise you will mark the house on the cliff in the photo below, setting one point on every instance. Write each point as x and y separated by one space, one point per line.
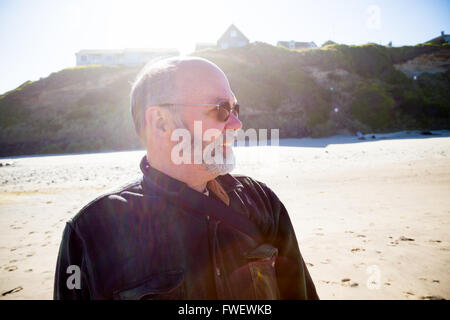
443 38
200 46
231 38
296 45
327 43
127 57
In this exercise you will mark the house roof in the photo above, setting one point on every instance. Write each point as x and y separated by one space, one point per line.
128 50
440 38
328 42
226 34
204 46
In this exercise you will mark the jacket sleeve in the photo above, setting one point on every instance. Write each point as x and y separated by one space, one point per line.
294 280
70 276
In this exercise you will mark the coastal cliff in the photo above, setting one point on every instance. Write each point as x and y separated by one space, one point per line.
312 92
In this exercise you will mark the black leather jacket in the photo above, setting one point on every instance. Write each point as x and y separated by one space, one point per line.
138 243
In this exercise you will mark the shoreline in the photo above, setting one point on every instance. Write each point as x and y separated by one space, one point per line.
284 142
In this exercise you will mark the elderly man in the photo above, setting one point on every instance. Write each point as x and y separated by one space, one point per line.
186 229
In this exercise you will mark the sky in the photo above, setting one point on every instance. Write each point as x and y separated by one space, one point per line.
39 37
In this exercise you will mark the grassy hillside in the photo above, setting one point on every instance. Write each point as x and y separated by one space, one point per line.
362 82
74 110
86 109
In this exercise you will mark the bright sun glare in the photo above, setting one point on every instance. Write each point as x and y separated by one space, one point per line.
154 24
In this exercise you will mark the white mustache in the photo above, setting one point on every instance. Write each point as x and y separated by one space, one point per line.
224 142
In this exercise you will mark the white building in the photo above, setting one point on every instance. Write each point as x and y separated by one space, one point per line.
127 57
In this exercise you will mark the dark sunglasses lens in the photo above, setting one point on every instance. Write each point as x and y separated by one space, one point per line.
224 111
236 110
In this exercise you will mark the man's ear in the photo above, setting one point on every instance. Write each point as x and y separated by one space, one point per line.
156 120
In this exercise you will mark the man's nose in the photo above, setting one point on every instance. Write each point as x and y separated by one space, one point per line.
233 123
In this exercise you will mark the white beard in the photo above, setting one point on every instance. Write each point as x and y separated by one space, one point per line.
221 167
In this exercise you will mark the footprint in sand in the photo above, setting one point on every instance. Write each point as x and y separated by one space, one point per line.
17 289
30 254
432 298
346 282
11 268
29 270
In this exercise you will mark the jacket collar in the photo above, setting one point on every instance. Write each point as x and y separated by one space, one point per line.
158 180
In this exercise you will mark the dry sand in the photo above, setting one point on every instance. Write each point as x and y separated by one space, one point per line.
372 217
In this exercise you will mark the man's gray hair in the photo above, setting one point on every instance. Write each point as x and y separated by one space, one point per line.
155 84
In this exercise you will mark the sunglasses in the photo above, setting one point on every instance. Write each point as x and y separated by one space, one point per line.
224 109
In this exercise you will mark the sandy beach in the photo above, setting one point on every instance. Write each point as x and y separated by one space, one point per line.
372 216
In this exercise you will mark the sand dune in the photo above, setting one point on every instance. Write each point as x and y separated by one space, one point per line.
372 217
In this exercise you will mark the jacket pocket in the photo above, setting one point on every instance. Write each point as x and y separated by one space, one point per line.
164 286
262 269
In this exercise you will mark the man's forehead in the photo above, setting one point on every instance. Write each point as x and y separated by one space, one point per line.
199 80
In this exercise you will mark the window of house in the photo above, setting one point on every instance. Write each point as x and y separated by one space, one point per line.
83 58
233 33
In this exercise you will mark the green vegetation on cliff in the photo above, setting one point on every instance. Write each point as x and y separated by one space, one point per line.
314 92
